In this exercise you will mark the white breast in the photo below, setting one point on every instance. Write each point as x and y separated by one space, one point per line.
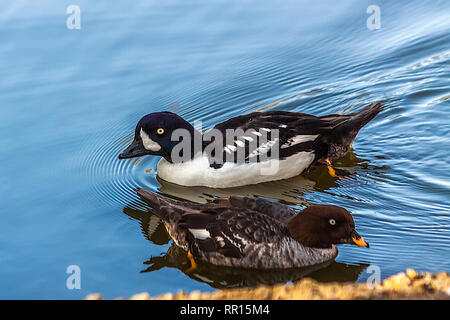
197 172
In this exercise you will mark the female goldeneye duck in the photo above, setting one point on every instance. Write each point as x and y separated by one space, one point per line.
248 149
255 233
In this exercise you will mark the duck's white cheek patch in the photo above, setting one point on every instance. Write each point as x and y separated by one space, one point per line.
148 143
200 234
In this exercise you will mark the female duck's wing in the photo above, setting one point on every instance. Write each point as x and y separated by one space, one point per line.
225 225
278 211
229 230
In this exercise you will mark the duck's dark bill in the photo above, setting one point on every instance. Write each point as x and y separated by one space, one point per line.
135 149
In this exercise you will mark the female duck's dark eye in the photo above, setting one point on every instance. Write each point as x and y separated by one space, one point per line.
160 131
332 222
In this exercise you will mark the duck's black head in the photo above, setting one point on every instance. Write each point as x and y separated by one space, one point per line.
153 135
320 226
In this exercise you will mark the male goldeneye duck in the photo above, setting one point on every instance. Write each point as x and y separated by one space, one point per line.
255 233
248 149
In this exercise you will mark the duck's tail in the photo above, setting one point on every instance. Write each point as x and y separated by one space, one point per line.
347 127
344 129
359 119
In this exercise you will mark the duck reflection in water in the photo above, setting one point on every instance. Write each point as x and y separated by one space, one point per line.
228 277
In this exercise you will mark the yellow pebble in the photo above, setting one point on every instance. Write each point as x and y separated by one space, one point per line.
94 296
140 296
411 273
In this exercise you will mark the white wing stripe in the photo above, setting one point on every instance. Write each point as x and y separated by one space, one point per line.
299 139
240 143
232 148
200 234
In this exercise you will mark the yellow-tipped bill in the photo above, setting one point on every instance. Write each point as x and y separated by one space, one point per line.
360 242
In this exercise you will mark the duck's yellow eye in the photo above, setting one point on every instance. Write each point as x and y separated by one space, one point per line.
160 131
332 222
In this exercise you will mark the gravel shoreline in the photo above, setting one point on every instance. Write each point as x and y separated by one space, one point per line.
404 285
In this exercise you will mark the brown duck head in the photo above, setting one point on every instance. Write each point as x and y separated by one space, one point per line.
321 226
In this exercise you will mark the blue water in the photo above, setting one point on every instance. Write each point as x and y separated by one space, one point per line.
70 100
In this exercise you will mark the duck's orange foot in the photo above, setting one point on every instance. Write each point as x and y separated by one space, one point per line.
330 169
332 172
192 261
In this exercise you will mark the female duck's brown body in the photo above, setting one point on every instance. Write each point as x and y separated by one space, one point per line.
255 233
